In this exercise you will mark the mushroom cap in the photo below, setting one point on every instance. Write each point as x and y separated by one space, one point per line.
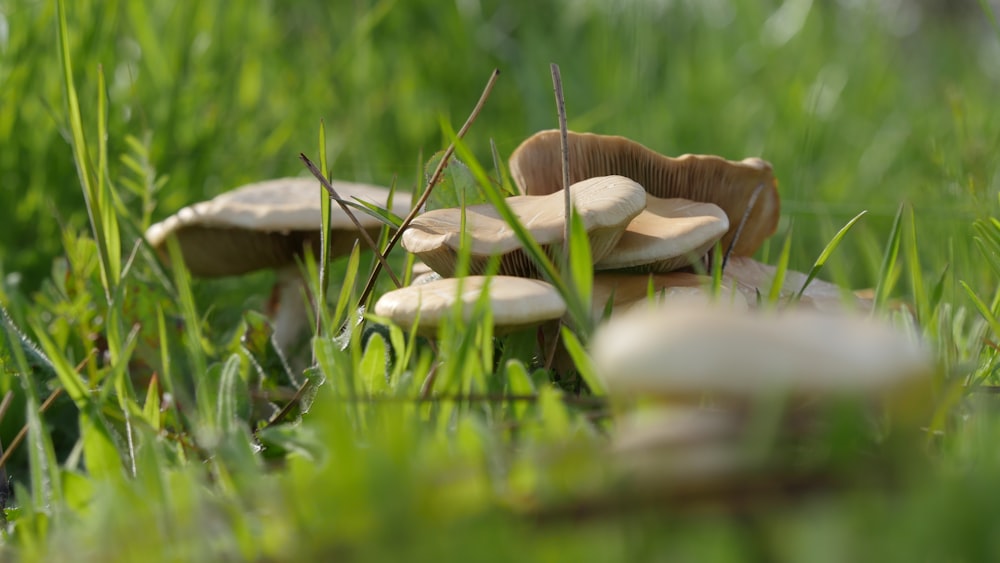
265 225
681 288
536 169
605 204
688 351
751 276
667 235
516 302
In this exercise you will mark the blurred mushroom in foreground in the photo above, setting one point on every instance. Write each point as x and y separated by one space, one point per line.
735 402
269 225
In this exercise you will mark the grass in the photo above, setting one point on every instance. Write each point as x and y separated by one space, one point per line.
147 451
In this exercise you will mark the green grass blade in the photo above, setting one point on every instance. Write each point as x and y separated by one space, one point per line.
825 255
912 251
324 234
778 283
582 362
581 265
99 217
886 277
983 309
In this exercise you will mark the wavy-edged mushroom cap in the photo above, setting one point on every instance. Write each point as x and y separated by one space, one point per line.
536 168
667 235
265 225
691 351
751 277
516 302
626 291
606 205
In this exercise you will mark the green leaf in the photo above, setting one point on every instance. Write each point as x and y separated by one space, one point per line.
983 309
99 450
456 187
372 368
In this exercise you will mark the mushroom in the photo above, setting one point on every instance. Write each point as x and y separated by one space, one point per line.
516 303
626 291
667 235
605 205
751 277
268 225
696 350
745 188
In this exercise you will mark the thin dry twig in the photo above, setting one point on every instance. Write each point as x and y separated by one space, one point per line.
430 185
357 224
24 429
743 222
280 415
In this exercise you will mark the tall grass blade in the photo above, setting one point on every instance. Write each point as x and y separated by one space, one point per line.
101 220
825 255
582 362
326 209
778 283
886 277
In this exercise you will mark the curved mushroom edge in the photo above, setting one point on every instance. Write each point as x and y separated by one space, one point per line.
535 168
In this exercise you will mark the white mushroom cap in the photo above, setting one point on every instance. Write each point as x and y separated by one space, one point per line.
606 205
265 225
667 235
686 352
516 302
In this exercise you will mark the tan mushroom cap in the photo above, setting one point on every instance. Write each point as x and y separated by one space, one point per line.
683 353
669 234
265 225
606 205
536 169
751 276
516 302
673 288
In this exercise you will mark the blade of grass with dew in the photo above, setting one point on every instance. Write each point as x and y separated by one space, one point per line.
582 362
827 251
781 268
326 208
91 190
886 278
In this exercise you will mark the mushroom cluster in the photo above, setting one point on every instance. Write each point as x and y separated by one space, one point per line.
711 365
650 219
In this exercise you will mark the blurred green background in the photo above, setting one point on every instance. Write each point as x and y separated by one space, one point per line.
858 104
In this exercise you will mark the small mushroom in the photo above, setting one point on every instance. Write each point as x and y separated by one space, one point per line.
605 205
535 168
753 277
516 303
667 235
626 291
697 350
268 225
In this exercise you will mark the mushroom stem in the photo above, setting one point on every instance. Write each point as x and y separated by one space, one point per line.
290 311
